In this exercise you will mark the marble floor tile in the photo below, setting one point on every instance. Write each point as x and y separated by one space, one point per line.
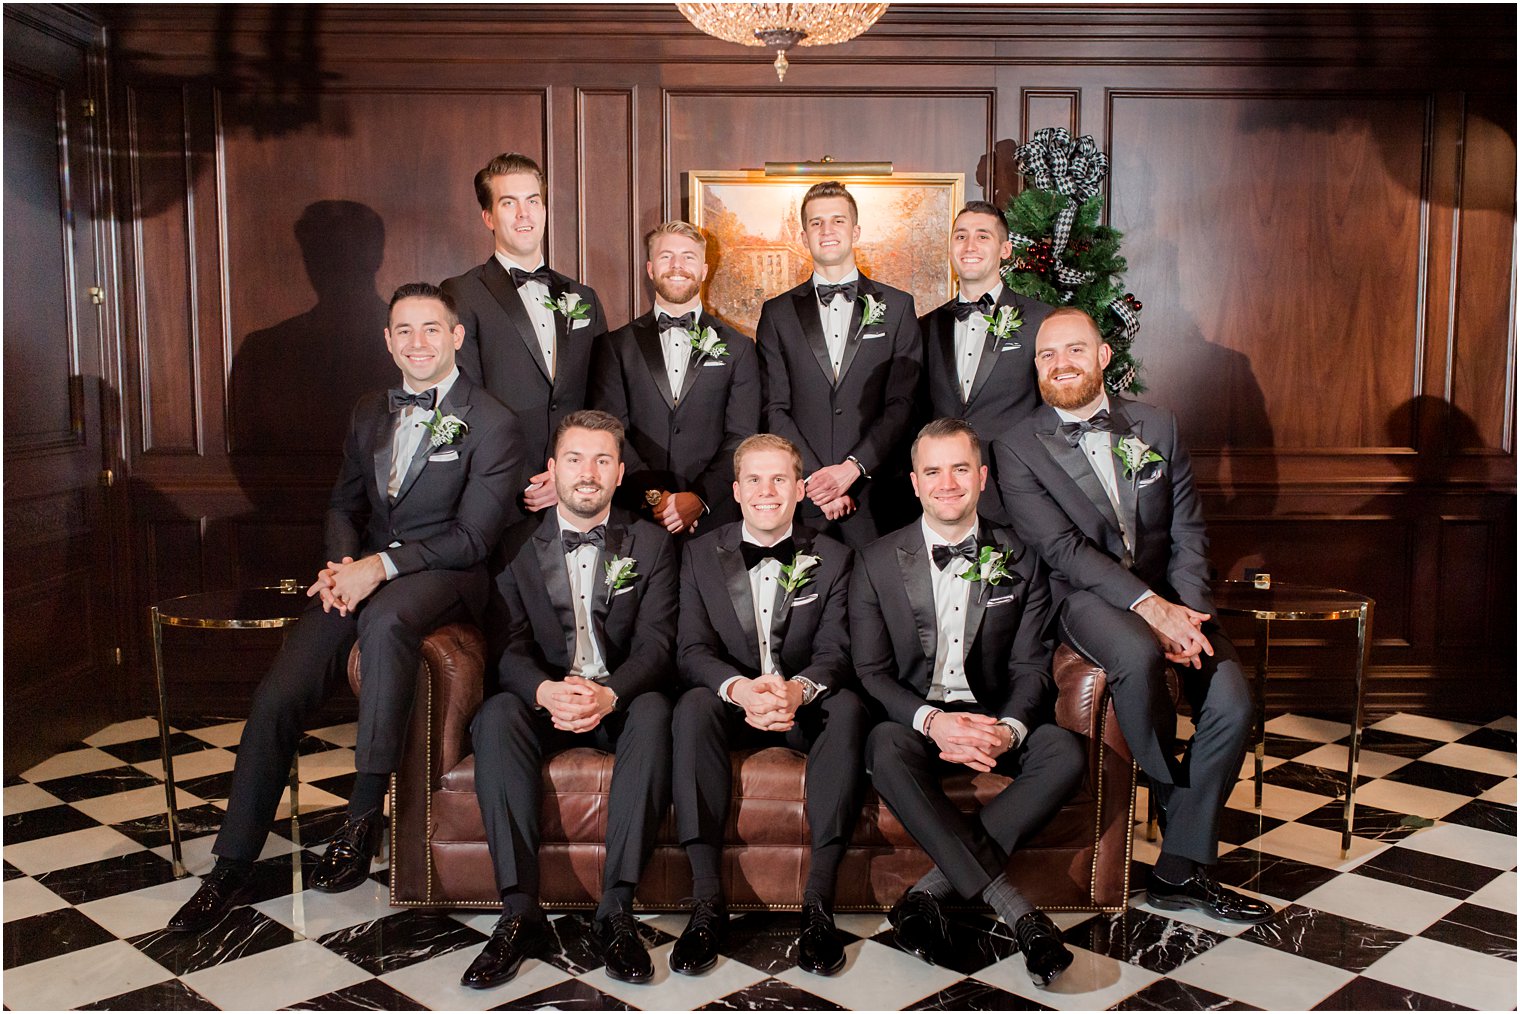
26 796
124 732
135 803
169 995
1477 929
1248 763
1304 727
39 937
199 858
875 977
1321 781
1277 801
1207 923
1468 844
324 913
70 762
972 942
1401 797
81 977
223 734
372 994
139 750
1505 723
1093 982
24 897
190 766
327 763
772 994
1171 995
1143 938
1263 976
861 924
106 877
1494 817
1426 728
275 978
152 830
237 935
1426 872
1491 737
73 849
435 983
1479 981
1329 938
1281 747
1392 906
45 823
346 734
1368 822
1462 781
1316 845
1394 744
969 994
1498 894
102 782
1263 873
1369 763
403 938
1503 793
134 913
1364 994
1476 758
1240 826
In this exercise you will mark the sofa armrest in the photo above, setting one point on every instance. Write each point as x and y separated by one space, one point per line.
1081 693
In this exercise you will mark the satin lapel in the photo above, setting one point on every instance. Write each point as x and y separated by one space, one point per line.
619 542
561 325
499 283
990 351
385 439
805 303
1074 462
736 580
551 568
694 363
976 607
942 337
915 575
647 335
1128 488
782 609
455 404
852 333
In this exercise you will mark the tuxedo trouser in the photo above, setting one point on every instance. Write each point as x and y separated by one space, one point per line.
312 665
830 731
1192 791
511 740
971 851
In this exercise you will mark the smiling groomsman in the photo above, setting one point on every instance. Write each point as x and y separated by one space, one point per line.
686 386
528 330
589 594
948 621
979 347
840 357
765 650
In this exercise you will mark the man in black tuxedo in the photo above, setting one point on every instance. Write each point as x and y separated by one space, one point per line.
685 385
1102 488
589 597
840 357
947 628
424 493
765 650
979 347
528 330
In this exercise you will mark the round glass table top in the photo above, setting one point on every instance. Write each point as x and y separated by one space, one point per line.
245 608
1286 601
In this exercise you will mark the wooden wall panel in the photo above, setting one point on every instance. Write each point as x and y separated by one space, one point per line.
1467 547
611 254
1274 240
1051 108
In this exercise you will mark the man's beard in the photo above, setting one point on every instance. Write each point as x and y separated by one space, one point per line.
578 506
1071 398
677 290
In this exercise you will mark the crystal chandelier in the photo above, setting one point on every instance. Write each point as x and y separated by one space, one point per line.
782 26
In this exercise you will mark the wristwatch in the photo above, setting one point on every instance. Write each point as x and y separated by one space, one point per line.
810 690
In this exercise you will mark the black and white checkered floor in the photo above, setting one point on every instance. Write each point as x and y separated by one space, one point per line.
1417 917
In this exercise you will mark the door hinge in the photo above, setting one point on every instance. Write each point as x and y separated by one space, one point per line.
88 108
116 655
97 295
107 478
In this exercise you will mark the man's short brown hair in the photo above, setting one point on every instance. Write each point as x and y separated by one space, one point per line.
828 188
675 227
985 208
424 290
1064 312
767 442
505 164
589 419
947 427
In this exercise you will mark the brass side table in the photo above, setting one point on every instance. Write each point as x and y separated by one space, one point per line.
272 607
1283 601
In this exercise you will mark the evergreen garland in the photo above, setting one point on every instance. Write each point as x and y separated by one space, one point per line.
1061 255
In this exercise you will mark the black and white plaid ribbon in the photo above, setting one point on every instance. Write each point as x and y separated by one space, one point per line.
1128 318
1075 169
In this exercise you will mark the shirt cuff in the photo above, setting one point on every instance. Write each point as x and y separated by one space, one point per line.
922 715
723 690
390 568
1142 598
1019 731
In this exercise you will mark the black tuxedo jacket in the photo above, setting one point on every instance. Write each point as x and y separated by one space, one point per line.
454 500
869 411
501 353
1060 509
635 625
681 441
893 630
1004 390
809 627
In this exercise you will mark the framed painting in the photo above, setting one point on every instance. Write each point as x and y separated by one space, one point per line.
755 248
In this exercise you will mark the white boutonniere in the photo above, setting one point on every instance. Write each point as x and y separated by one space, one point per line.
705 343
990 568
445 429
620 574
1002 324
875 311
569 305
1135 454
797 574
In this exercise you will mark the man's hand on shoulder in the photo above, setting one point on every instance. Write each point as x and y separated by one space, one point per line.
831 482
678 512
540 493
1178 629
976 741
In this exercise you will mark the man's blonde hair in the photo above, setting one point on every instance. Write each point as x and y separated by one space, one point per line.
675 227
767 442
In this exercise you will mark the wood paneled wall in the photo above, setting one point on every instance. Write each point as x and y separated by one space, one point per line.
1318 206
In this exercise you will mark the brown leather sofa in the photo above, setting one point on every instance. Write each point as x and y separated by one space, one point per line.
438 847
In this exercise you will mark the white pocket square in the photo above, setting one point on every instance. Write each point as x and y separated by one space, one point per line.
868 337
1002 601
622 591
714 364
580 323
804 600
444 456
1009 347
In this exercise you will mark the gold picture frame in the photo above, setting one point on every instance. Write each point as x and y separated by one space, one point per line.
755 248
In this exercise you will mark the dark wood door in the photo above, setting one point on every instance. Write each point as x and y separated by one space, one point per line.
62 674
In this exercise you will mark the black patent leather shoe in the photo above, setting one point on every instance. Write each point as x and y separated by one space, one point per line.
514 938
1205 894
345 865
623 952
1045 954
819 949
697 950
221 890
918 926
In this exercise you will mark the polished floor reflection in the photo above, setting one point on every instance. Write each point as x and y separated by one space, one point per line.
1421 915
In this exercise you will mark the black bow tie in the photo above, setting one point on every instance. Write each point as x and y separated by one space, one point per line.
1100 422
827 292
539 274
964 309
400 398
782 552
686 322
965 549
574 540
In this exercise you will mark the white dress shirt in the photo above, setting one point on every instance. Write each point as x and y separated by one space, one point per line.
533 295
676 343
762 594
835 318
970 340
585 584
411 430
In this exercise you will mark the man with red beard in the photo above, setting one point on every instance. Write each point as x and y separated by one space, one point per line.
684 384
1102 488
